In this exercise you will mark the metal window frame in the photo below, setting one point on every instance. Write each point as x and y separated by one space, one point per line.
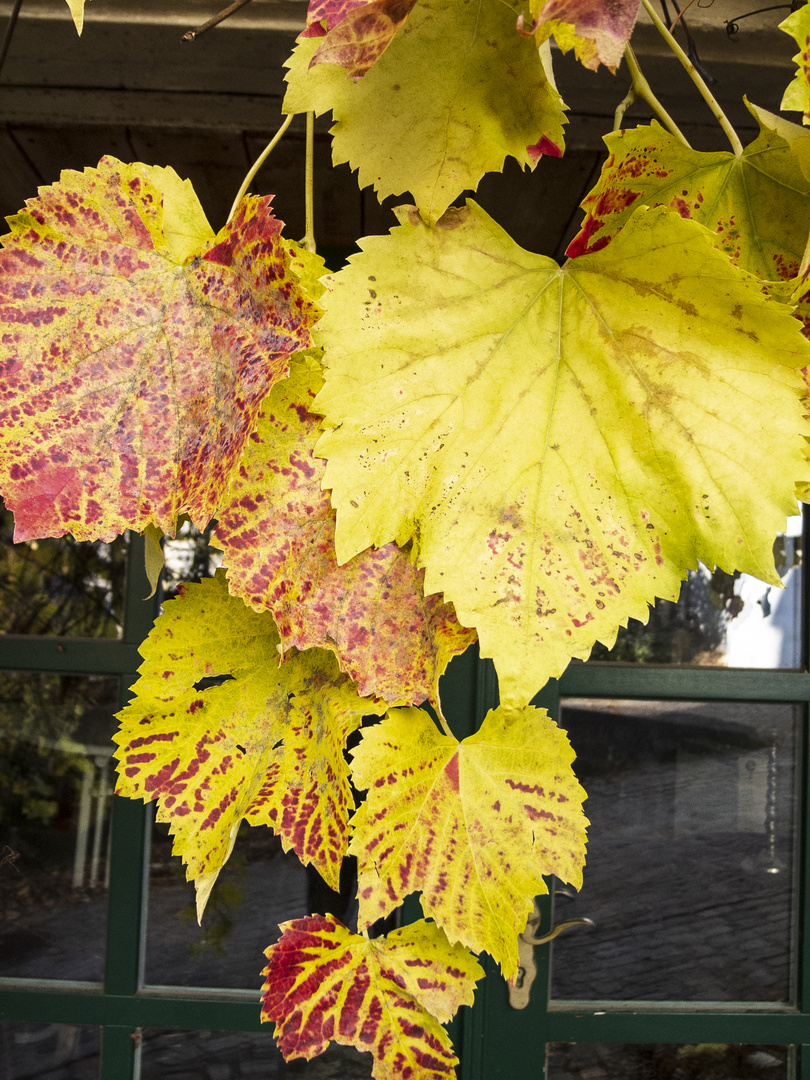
493 1040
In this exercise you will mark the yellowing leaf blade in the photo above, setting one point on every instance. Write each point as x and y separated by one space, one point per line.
758 204
562 444
493 100
276 529
265 745
383 995
135 350
474 825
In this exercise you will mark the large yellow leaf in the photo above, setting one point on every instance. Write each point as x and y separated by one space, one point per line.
277 529
563 444
757 203
473 825
388 996
266 744
486 96
135 350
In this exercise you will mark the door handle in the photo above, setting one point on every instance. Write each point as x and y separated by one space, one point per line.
527 969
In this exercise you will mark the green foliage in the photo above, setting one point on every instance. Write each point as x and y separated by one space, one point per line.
450 437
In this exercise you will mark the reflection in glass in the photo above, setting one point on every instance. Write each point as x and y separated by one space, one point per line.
59 586
189 557
231 1055
56 779
257 888
689 876
668 1061
48 1051
723 619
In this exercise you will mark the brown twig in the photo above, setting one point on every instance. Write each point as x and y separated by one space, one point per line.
192 35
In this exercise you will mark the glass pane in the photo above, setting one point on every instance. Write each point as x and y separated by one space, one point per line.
258 888
715 1061
189 557
48 1051
720 619
56 779
59 586
689 876
228 1055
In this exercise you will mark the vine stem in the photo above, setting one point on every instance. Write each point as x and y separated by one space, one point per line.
641 88
309 185
694 75
257 164
444 725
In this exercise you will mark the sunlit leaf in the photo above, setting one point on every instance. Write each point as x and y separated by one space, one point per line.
562 444
277 530
473 825
758 204
263 740
388 996
487 97
797 95
135 349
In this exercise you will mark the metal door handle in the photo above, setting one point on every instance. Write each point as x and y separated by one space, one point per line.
527 969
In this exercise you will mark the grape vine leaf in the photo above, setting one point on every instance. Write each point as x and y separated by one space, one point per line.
387 995
473 825
363 35
77 14
135 350
265 744
597 31
276 528
323 15
797 95
758 203
493 99
562 444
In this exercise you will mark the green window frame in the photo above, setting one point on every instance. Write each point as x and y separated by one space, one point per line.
493 1040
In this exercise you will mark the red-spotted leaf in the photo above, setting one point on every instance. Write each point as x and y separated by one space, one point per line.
473 825
597 30
264 742
277 530
135 349
797 95
388 996
323 15
360 39
757 203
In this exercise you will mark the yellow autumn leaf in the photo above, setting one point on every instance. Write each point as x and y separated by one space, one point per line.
562 444
263 743
388 996
473 825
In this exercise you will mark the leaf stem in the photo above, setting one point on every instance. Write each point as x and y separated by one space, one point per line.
257 164
444 725
309 185
641 88
696 78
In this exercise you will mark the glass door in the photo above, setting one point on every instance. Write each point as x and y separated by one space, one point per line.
691 741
